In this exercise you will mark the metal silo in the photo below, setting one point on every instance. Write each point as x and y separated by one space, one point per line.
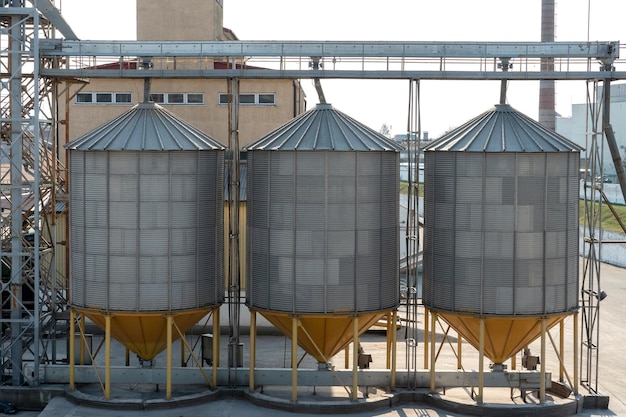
146 226
501 229
323 238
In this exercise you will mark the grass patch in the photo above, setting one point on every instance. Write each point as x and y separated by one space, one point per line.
404 188
609 222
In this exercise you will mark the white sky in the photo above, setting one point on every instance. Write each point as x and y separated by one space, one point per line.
445 104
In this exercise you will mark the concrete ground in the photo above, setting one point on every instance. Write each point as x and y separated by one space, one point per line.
273 351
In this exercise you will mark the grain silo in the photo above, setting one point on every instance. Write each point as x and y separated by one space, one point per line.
501 230
146 195
323 241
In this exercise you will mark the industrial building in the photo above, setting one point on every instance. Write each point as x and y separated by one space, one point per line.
182 199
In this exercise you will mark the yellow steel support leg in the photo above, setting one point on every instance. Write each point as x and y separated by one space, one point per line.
252 349
107 357
481 361
72 350
355 359
394 331
542 382
390 320
347 357
562 350
216 349
82 339
127 357
294 359
182 352
168 369
433 322
426 330
575 387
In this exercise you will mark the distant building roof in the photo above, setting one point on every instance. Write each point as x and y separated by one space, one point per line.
146 126
503 129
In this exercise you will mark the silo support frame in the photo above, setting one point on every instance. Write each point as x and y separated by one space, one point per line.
252 350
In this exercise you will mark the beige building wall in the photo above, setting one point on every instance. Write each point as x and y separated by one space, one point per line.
190 20
211 117
199 20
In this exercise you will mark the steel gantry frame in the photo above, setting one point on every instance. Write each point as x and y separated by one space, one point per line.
33 61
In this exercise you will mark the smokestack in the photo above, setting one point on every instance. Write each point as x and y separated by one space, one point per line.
547 114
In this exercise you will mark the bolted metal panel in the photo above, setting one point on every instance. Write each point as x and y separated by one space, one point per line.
146 230
498 239
323 231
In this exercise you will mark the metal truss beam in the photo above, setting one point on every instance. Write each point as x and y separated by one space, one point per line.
357 60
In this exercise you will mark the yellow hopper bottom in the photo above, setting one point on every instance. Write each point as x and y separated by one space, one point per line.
504 336
145 333
323 336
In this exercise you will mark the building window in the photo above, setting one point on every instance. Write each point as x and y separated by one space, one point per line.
157 98
123 98
251 99
177 98
103 98
195 98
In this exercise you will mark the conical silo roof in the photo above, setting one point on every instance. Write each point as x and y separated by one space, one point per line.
503 129
145 127
324 128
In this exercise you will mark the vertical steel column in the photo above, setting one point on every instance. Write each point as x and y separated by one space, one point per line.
294 359
16 46
216 344
575 358
426 336
72 353
234 278
394 348
542 382
481 361
107 357
433 355
252 349
355 359
168 360
562 350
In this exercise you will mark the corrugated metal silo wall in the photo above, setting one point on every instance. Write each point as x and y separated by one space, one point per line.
323 231
146 230
501 232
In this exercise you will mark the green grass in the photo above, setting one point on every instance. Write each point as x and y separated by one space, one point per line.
609 222
404 188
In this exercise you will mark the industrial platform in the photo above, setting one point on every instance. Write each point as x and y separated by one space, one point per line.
273 350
